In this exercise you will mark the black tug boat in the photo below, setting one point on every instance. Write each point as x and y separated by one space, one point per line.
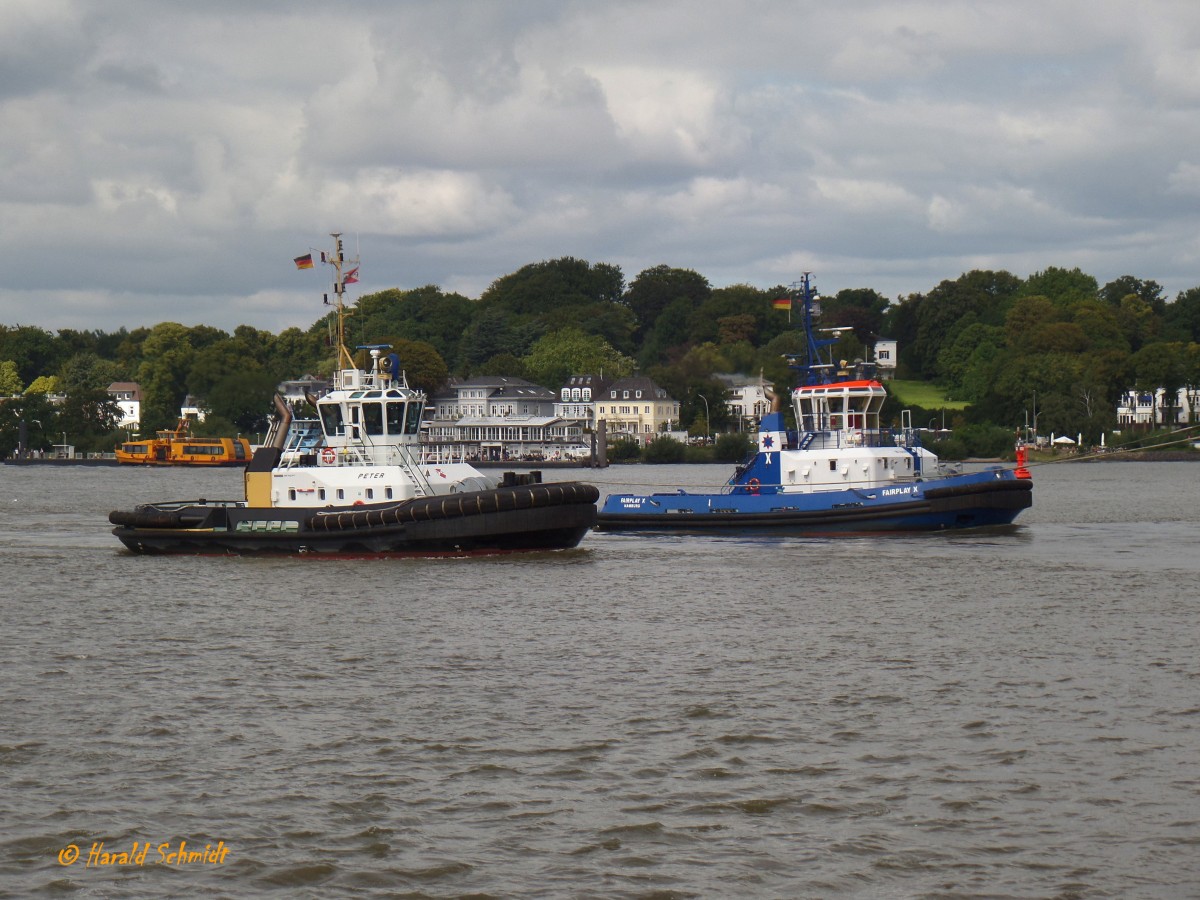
358 481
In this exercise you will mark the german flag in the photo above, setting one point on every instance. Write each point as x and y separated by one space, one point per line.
784 302
304 262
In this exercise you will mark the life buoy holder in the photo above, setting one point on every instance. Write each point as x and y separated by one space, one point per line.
754 484
328 456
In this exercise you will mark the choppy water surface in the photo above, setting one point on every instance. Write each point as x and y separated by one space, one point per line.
997 715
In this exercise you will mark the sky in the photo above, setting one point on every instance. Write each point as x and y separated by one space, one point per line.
167 161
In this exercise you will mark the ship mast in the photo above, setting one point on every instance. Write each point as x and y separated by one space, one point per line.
338 261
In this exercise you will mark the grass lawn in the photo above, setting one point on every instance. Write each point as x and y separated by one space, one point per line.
922 393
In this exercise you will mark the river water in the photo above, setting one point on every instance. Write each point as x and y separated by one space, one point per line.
934 716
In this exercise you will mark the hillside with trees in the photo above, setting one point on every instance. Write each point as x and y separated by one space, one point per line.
1056 345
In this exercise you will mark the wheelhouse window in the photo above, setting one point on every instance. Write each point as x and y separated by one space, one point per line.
331 419
372 414
412 424
395 418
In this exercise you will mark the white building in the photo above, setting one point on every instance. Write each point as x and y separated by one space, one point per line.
886 355
576 399
747 399
1148 410
128 395
500 417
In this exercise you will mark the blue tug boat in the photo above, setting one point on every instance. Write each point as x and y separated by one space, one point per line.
839 472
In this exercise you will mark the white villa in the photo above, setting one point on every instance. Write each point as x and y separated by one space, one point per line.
1141 408
499 417
128 395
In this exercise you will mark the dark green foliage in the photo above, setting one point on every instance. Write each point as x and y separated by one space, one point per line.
733 447
664 449
662 291
624 450
978 441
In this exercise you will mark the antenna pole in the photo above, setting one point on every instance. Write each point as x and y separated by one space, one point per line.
345 360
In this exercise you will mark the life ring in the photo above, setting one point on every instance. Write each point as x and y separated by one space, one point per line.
754 484
328 456
358 503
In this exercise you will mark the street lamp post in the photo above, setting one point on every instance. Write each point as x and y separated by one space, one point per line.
707 418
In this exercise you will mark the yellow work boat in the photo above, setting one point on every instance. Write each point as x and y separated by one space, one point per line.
178 447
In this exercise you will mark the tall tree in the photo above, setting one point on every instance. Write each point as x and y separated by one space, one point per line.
1149 292
167 355
657 288
541 288
556 356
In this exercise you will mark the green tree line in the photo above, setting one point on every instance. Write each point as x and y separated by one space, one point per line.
1056 344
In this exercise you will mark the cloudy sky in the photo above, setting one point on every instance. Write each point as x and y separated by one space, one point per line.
165 161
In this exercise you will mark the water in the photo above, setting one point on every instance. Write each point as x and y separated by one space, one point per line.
994 715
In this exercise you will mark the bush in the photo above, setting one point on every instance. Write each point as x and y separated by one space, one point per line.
664 450
732 447
624 450
984 441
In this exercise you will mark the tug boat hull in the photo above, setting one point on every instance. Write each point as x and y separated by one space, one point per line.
526 518
982 500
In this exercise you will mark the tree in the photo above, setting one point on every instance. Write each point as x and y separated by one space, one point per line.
492 332
1065 288
1162 366
242 398
167 354
91 415
86 370
43 384
295 353
736 329
426 314
544 287
1149 292
956 359
10 379
657 288
504 364
1027 314
1101 326
859 308
40 420
735 313
423 367
1183 316
560 354
34 350
1138 321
